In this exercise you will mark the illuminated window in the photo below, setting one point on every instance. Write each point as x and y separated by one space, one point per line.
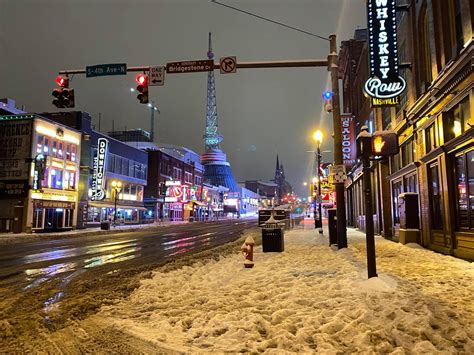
46 143
436 198
430 138
73 152
39 144
56 179
464 164
69 180
60 150
456 120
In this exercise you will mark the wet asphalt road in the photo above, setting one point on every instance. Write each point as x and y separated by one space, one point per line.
28 265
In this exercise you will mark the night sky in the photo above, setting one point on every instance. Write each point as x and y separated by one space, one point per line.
262 112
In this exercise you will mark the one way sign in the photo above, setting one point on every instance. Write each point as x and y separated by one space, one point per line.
157 76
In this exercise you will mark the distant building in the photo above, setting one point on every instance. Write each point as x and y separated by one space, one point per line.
8 107
131 135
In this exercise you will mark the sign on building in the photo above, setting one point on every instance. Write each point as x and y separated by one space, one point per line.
98 170
348 139
15 150
385 83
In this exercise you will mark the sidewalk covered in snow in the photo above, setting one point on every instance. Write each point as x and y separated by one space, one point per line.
310 298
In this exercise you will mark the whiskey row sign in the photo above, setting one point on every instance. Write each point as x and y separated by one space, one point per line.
385 84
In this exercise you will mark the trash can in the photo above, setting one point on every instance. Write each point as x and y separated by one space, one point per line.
273 236
104 225
332 225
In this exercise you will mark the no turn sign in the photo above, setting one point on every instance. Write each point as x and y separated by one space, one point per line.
228 65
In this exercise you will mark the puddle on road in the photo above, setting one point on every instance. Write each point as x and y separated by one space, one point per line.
42 275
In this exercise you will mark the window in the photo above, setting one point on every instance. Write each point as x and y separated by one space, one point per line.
46 142
396 191
69 180
188 177
430 138
118 165
436 199
465 190
197 180
125 168
133 192
68 152
426 72
395 163
410 183
54 150
73 152
110 162
39 144
163 168
456 38
456 120
407 152
60 150
56 179
176 173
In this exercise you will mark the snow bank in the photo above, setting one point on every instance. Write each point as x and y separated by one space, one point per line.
309 298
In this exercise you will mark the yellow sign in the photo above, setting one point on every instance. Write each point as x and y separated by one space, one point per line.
393 101
53 196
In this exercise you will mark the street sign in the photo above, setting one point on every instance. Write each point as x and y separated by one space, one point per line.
193 66
228 65
339 173
105 70
157 76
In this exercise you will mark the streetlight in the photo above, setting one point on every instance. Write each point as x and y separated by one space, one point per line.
305 183
116 186
318 138
153 108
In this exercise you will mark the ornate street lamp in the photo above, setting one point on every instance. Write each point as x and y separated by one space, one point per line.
116 186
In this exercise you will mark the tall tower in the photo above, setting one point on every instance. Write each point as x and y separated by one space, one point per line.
217 170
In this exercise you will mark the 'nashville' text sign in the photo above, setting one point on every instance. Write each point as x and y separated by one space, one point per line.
385 81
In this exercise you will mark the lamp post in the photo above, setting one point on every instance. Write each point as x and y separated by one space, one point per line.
208 208
116 186
318 138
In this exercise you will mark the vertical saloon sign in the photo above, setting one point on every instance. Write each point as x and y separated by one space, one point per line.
385 83
348 139
98 167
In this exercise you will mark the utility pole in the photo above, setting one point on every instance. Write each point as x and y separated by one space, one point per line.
152 121
320 202
338 161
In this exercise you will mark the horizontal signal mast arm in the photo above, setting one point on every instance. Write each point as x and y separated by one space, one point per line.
243 65
281 64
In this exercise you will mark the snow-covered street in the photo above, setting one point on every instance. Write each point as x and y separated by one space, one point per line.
310 298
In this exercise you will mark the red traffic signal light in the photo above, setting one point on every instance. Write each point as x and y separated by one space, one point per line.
142 79
142 88
62 81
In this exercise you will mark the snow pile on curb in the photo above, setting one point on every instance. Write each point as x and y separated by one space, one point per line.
309 298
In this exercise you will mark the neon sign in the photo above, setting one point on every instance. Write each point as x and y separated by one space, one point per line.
98 166
385 81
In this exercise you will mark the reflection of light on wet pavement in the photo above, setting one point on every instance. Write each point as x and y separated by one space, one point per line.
100 248
51 303
112 258
46 273
182 245
50 255
183 242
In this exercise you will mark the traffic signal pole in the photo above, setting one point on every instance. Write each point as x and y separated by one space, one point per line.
331 64
337 126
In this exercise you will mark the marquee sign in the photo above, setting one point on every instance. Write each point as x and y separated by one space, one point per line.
98 167
348 139
385 81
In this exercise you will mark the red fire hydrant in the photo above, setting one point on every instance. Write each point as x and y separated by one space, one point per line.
247 250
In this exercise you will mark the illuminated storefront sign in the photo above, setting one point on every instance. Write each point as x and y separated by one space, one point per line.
348 139
98 174
385 81
53 196
173 183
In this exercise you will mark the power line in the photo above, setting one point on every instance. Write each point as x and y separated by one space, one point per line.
269 20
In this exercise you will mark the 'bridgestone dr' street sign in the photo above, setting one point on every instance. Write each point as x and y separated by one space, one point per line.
106 69
190 66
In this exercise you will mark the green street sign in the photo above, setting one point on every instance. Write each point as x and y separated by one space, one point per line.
105 70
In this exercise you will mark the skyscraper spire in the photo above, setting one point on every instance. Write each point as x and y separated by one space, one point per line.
277 166
212 138
217 170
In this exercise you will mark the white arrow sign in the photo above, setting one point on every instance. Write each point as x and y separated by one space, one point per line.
157 76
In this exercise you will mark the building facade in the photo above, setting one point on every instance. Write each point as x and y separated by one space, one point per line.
433 120
123 166
39 161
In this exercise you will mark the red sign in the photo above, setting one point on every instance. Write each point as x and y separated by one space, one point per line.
348 139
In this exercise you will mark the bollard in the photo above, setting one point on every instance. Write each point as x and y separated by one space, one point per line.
247 250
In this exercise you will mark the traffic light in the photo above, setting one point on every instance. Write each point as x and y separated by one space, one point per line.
142 88
384 143
327 97
63 96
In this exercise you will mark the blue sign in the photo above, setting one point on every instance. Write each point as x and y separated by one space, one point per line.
105 70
